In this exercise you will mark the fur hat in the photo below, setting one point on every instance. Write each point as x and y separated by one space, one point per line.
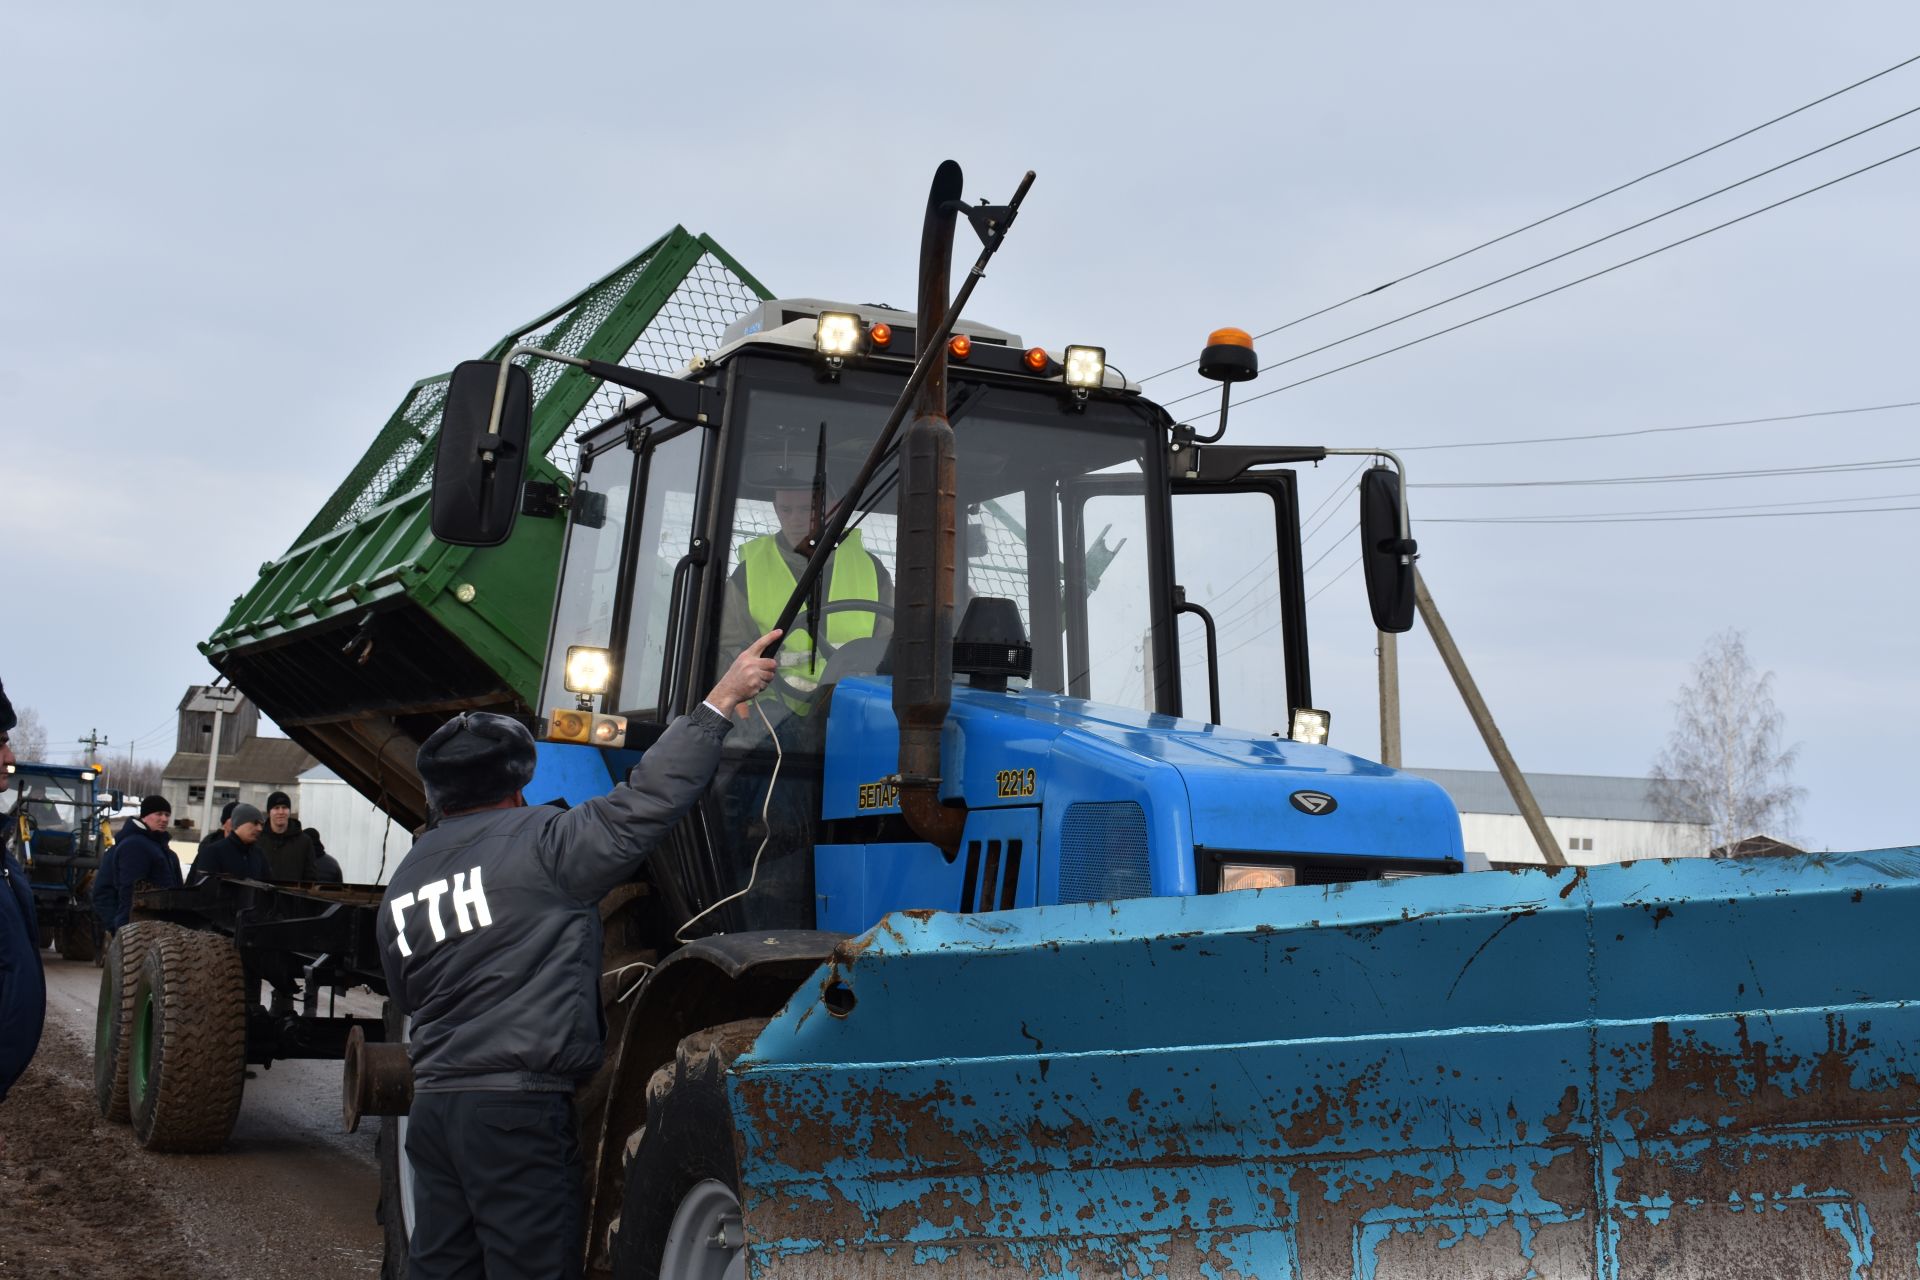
475 759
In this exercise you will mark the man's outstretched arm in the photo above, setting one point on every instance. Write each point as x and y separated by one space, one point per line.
604 841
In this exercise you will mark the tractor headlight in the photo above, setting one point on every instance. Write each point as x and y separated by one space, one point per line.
609 731
1254 875
1085 366
837 333
589 670
1310 725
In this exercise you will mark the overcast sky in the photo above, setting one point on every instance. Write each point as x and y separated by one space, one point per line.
233 236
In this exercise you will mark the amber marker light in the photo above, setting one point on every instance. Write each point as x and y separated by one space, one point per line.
880 334
1036 359
1230 337
960 346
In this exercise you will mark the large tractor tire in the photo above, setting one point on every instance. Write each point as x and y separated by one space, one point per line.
187 1041
74 938
395 1208
118 977
683 1182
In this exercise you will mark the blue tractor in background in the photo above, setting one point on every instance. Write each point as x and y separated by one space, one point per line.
957 966
58 829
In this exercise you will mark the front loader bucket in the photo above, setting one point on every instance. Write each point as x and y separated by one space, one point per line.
1684 1069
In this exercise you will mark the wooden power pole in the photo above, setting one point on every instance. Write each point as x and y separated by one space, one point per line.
1483 720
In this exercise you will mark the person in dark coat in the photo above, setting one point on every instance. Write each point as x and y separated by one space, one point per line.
212 838
490 937
234 855
329 866
23 986
140 854
288 850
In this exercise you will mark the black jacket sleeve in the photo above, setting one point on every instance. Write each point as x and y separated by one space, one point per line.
603 842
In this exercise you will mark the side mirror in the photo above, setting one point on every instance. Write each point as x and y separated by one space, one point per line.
1386 556
477 472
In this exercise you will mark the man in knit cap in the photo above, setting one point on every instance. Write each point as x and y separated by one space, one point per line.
288 849
490 936
234 854
140 855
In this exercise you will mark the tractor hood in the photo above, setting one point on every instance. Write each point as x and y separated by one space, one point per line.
1205 786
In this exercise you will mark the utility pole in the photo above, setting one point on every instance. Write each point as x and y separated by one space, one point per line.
1389 652
93 742
1483 720
220 701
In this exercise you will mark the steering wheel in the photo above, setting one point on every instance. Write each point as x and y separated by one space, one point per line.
822 650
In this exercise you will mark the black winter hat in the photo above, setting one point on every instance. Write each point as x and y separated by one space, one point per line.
279 799
155 804
226 810
8 720
475 759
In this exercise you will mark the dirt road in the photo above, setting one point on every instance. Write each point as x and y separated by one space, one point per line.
290 1199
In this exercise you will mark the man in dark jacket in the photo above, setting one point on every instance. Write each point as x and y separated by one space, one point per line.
329 865
490 937
23 986
234 854
212 838
140 854
288 850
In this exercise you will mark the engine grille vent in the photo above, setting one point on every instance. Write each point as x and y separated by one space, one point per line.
1103 852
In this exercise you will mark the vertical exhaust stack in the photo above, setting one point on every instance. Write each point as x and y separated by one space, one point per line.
923 596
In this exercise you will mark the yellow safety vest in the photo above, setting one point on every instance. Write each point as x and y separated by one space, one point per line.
770 581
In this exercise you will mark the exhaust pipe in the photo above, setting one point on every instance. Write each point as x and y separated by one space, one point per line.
923 595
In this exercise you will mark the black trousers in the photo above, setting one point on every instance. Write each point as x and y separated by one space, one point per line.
496 1186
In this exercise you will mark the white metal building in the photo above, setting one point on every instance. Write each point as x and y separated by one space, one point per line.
367 844
1594 819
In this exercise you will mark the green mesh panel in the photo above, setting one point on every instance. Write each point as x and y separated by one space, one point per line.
655 312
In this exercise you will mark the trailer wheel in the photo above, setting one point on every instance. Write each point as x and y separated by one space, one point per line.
187 1041
118 978
74 938
394 1212
680 1215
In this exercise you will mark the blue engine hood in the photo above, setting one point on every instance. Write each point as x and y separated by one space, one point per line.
1207 785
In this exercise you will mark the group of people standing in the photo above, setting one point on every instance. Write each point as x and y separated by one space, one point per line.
249 844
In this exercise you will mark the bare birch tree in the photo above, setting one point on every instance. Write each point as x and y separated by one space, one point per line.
1723 767
29 737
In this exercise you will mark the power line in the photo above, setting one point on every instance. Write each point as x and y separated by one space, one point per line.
1336 577
1595 275
1680 477
1539 222
1633 519
1634 226
1663 511
1654 431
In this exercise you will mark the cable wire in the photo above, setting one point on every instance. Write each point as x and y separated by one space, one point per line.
1561 288
766 825
1655 431
1511 275
1679 477
1666 511
1635 519
1539 222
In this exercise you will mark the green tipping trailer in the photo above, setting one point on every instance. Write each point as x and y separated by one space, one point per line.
368 632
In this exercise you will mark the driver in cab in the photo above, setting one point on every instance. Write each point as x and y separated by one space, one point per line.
769 569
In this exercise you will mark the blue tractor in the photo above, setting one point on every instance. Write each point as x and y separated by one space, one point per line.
957 965
57 829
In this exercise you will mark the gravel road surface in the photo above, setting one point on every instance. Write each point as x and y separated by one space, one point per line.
290 1199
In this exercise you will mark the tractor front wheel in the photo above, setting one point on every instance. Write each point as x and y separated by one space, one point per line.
680 1218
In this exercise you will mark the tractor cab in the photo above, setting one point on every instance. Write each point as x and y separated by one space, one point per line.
58 829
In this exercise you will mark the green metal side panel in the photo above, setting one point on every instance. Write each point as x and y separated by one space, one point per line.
366 577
